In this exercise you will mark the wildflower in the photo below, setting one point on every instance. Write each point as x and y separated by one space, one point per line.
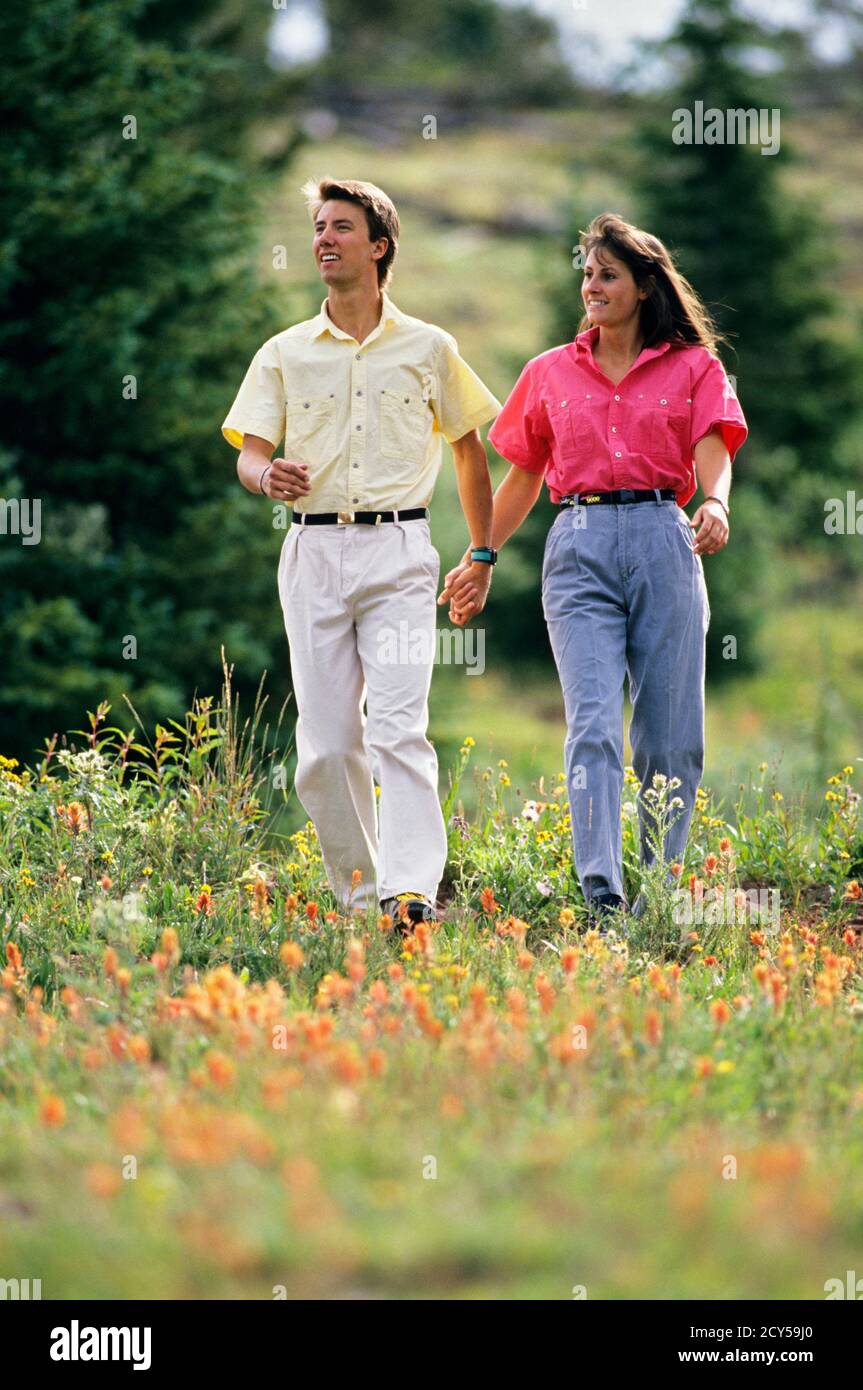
220 1068
853 891
711 864
102 1180
291 955
52 1111
205 900
703 1066
138 1048
569 960
469 742
312 912
652 1026
110 962
725 1066
451 1106
170 944
124 979
385 922
676 870
566 917
105 882
724 845
489 905
720 1011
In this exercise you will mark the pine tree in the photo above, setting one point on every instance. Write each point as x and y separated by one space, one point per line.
129 308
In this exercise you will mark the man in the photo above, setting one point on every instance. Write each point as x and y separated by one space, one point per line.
361 394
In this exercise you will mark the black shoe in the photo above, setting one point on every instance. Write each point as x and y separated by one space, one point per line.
419 909
605 910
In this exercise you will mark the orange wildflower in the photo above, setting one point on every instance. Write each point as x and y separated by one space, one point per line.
720 1011
52 1111
489 905
220 1068
291 955
652 1026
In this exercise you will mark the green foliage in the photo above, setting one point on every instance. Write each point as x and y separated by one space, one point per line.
129 307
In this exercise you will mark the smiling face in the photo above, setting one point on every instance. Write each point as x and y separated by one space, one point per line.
344 253
611 296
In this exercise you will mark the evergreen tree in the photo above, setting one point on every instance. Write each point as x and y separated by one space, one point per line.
129 306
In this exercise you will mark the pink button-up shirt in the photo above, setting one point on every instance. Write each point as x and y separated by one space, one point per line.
565 419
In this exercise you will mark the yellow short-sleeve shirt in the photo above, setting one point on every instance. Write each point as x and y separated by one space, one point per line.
367 418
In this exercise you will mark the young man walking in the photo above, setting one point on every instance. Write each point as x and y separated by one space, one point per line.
362 394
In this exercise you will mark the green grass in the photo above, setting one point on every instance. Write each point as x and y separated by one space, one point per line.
214 1085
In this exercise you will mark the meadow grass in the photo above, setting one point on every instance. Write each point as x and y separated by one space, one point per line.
215 1083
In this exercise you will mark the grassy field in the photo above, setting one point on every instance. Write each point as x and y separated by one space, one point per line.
213 1084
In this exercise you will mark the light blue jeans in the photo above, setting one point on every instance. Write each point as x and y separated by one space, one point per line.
623 592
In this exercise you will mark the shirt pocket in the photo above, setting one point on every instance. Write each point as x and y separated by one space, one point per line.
310 429
571 422
665 427
405 427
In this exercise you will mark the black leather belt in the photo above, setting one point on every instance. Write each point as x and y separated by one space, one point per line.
624 494
364 518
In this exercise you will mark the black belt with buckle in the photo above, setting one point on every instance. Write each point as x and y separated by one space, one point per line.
625 494
364 518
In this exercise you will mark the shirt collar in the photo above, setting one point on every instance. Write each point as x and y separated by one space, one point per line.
322 323
584 344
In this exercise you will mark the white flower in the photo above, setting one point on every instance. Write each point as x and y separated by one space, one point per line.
89 764
529 811
659 779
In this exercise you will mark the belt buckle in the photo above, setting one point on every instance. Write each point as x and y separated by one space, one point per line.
627 494
344 518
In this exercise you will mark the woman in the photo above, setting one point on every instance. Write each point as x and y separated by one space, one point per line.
617 422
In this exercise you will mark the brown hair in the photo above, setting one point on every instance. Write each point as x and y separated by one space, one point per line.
380 212
672 311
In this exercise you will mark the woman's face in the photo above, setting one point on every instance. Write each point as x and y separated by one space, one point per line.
610 294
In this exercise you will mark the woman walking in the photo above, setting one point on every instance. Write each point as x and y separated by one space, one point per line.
623 423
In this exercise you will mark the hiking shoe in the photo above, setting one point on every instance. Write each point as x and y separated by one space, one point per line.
419 909
605 910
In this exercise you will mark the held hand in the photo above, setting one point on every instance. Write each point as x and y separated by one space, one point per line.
467 589
713 534
287 481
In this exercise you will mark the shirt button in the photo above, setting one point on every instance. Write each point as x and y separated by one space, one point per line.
614 429
663 401
355 499
563 402
359 427
356 465
617 398
305 405
359 393
617 454
357 355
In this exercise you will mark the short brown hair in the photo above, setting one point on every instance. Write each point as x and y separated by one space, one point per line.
380 212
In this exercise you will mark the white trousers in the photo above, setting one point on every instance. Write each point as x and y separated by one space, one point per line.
360 612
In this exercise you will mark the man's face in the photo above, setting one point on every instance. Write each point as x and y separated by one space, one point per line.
343 251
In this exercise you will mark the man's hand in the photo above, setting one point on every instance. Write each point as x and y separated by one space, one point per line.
466 587
286 481
713 533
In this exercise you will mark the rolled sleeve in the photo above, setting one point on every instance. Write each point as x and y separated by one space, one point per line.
715 406
259 405
519 432
460 401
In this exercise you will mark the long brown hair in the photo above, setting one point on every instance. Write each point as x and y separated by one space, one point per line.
672 311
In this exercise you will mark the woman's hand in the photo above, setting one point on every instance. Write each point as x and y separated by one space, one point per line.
713 523
467 588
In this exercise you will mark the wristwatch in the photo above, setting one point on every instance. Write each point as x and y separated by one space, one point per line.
485 554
